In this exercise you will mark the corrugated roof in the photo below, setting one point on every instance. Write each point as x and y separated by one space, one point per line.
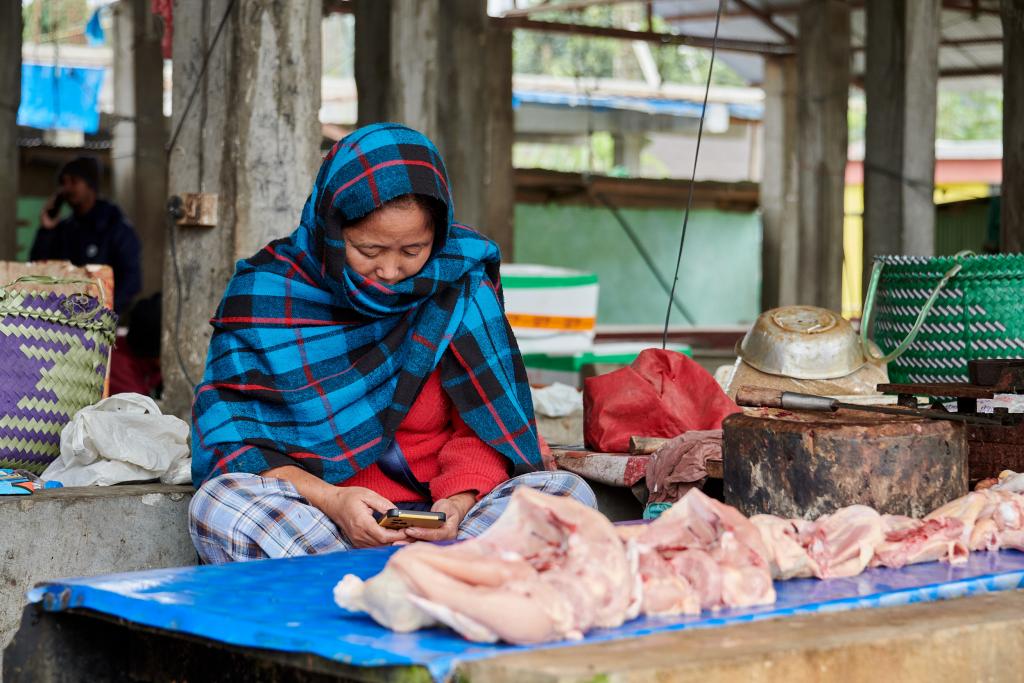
967 33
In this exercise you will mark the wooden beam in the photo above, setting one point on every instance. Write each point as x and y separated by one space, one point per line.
793 8
767 20
776 10
724 44
956 42
339 7
569 6
974 8
966 72
539 186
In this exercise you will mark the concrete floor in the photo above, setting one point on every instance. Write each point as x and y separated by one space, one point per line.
59 533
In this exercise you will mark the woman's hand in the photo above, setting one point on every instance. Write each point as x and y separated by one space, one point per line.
352 508
455 509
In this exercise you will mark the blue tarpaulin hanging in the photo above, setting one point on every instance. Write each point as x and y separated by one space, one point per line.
60 97
94 30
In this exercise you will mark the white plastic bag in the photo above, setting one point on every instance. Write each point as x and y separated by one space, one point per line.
557 400
122 438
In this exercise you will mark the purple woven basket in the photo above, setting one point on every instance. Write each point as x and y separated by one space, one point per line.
55 349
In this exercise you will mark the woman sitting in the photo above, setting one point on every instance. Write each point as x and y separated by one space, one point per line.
363 364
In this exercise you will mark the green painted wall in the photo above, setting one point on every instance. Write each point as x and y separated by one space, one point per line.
720 277
29 209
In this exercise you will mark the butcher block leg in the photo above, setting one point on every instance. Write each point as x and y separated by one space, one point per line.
970 639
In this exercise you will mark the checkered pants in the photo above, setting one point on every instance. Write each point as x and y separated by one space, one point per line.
248 517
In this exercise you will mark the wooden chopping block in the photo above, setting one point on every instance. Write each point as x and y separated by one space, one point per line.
805 464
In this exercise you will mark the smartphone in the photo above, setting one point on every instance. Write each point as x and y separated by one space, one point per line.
401 519
58 204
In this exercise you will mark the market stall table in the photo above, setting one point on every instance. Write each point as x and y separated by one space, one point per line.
275 619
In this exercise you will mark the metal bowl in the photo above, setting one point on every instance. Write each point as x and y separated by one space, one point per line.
804 342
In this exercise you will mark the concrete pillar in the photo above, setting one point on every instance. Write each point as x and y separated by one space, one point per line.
138 160
780 246
252 137
627 151
901 89
1012 218
823 77
457 91
10 98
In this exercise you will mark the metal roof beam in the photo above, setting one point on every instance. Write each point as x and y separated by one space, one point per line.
568 6
767 19
724 44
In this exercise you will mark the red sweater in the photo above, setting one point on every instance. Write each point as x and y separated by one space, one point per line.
441 450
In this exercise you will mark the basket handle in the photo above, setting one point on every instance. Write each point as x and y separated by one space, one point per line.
869 304
50 280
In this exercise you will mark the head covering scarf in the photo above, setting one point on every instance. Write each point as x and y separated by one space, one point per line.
313 365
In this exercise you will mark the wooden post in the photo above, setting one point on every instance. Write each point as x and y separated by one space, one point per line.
780 186
901 84
457 91
252 137
1012 218
10 98
823 75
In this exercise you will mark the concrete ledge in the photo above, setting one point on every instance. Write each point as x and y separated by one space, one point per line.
969 639
87 531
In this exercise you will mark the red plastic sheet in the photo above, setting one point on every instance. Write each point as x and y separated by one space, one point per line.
663 393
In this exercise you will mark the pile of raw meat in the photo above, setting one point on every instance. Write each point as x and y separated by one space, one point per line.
551 568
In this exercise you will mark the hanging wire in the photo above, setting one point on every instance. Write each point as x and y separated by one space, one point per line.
693 178
642 250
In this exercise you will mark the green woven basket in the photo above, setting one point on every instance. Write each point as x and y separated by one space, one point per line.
931 315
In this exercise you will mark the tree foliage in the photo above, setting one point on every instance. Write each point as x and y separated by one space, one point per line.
50 20
970 115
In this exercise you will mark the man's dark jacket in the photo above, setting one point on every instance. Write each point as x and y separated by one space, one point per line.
100 236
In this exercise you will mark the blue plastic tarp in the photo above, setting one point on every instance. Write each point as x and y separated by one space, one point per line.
60 97
287 605
648 105
94 29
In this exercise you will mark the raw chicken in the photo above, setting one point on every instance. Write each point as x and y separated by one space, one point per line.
785 539
993 518
975 512
909 541
702 554
550 568
843 543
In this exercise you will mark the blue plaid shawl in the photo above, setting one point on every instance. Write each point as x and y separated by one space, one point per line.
313 365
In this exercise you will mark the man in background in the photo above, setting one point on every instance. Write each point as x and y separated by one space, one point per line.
95 232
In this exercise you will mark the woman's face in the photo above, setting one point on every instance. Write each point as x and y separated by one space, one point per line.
390 244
